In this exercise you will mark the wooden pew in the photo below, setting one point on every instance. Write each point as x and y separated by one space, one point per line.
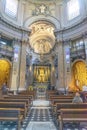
68 106
61 96
71 115
11 114
27 92
51 92
21 105
18 100
19 97
55 101
30 97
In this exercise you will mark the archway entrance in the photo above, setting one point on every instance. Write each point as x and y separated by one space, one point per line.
5 68
79 76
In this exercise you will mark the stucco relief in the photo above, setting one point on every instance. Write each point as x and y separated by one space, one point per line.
42 38
42 46
41 9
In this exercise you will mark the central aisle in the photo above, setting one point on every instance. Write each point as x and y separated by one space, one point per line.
41 116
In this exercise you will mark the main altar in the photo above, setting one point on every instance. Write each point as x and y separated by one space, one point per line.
41 74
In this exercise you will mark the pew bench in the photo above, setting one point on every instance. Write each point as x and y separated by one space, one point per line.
11 114
56 110
71 115
15 105
19 97
15 100
55 101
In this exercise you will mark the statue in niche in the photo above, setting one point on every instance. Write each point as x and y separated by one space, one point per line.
42 8
41 76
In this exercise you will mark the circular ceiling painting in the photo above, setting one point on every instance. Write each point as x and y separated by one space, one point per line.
42 38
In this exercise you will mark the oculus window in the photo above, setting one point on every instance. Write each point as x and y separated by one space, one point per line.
73 8
11 7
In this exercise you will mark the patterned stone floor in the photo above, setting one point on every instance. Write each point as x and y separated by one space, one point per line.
41 114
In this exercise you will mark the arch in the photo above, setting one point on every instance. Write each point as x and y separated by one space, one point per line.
50 19
79 75
7 61
5 68
77 60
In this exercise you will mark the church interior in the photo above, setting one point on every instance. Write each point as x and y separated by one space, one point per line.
43 64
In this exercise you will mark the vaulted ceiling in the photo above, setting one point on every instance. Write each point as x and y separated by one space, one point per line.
42 38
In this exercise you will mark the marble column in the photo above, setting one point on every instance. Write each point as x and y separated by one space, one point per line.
15 66
22 71
67 63
60 85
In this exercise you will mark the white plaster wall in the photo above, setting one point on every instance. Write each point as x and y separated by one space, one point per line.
58 11
83 13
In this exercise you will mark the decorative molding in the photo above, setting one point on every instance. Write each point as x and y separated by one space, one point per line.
49 18
12 31
41 9
74 32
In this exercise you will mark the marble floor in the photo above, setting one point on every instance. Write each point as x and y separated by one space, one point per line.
41 103
41 126
41 116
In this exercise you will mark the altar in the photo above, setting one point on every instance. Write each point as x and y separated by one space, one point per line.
41 74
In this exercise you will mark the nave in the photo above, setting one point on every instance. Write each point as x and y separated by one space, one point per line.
41 114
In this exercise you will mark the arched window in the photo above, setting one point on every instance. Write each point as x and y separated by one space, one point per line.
73 8
11 7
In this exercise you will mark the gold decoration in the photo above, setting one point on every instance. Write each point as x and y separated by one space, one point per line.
4 71
79 76
41 73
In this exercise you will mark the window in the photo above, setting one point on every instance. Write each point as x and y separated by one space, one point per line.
11 7
73 9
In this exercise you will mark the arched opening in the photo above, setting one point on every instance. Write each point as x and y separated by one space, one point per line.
42 38
79 76
5 68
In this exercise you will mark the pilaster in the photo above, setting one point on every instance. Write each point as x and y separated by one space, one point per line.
22 71
60 82
15 66
67 63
